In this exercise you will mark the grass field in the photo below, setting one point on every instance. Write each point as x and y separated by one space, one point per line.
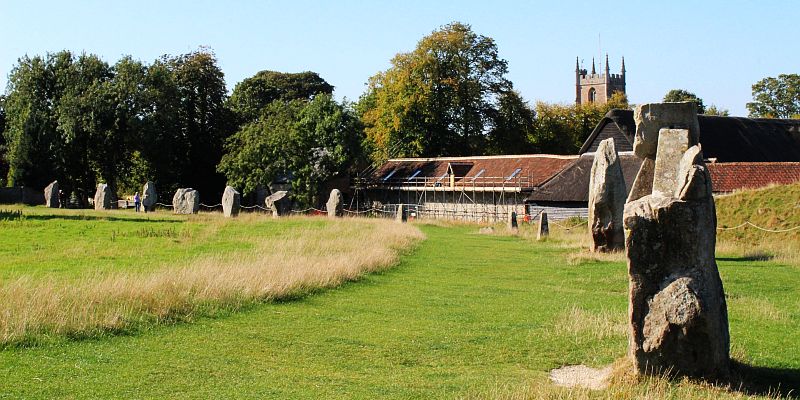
463 315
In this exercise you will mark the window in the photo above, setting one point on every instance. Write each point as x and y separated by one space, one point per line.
513 174
592 95
389 176
415 174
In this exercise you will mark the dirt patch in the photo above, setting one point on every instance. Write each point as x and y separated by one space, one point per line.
581 376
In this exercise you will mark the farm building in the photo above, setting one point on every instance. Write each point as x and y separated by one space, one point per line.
475 188
740 152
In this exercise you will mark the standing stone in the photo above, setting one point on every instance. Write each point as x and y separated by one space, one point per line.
334 204
651 118
512 221
606 199
102 197
543 228
402 213
677 309
186 201
149 196
278 203
231 202
51 195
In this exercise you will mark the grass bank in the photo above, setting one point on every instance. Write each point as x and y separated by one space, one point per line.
205 265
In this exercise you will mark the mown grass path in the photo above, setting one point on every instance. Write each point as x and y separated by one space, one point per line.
464 312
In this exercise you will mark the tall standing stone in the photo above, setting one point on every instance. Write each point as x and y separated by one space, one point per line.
543 227
511 223
186 201
678 314
606 199
231 202
149 196
102 197
334 204
51 195
278 203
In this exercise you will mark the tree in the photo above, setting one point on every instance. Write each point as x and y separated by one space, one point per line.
717 112
203 119
438 99
3 157
679 95
512 126
562 129
251 95
776 97
311 142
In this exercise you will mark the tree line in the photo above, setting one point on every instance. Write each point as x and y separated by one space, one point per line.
78 119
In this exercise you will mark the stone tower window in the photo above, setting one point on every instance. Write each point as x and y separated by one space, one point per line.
592 95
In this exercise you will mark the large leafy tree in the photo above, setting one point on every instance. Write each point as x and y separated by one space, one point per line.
311 142
562 129
776 97
679 95
437 99
203 119
251 95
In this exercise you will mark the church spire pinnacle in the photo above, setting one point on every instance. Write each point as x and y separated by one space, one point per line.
577 65
593 70
623 65
607 64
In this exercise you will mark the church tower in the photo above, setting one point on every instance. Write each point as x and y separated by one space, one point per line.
597 88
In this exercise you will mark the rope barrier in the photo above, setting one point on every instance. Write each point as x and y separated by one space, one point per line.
207 206
164 205
745 223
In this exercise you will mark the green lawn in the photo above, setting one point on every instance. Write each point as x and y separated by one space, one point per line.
461 314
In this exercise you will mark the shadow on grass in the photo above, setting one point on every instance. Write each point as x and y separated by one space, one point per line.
96 218
755 380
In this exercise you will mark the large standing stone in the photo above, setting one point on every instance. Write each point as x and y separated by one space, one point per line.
278 203
149 196
511 223
186 201
677 309
651 118
542 228
51 195
102 197
606 199
334 204
231 202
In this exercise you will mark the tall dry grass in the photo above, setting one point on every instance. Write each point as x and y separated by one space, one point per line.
32 309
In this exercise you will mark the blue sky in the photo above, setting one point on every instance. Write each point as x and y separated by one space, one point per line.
716 49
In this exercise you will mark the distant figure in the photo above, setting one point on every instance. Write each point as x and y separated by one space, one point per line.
137 201
62 199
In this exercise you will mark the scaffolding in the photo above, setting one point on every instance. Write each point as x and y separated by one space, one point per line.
474 198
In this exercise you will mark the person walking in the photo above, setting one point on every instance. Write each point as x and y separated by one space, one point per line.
137 201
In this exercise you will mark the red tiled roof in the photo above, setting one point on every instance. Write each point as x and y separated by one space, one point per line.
727 177
534 169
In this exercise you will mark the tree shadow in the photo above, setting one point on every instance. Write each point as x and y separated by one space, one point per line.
758 256
753 380
96 218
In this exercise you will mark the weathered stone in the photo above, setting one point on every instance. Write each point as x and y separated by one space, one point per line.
672 143
231 202
606 199
51 195
542 228
511 223
334 204
677 309
402 213
643 183
278 203
102 197
651 118
149 196
186 201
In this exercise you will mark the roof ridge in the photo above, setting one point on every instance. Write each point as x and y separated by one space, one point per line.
466 158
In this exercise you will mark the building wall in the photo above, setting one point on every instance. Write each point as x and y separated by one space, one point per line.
603 87
466 205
